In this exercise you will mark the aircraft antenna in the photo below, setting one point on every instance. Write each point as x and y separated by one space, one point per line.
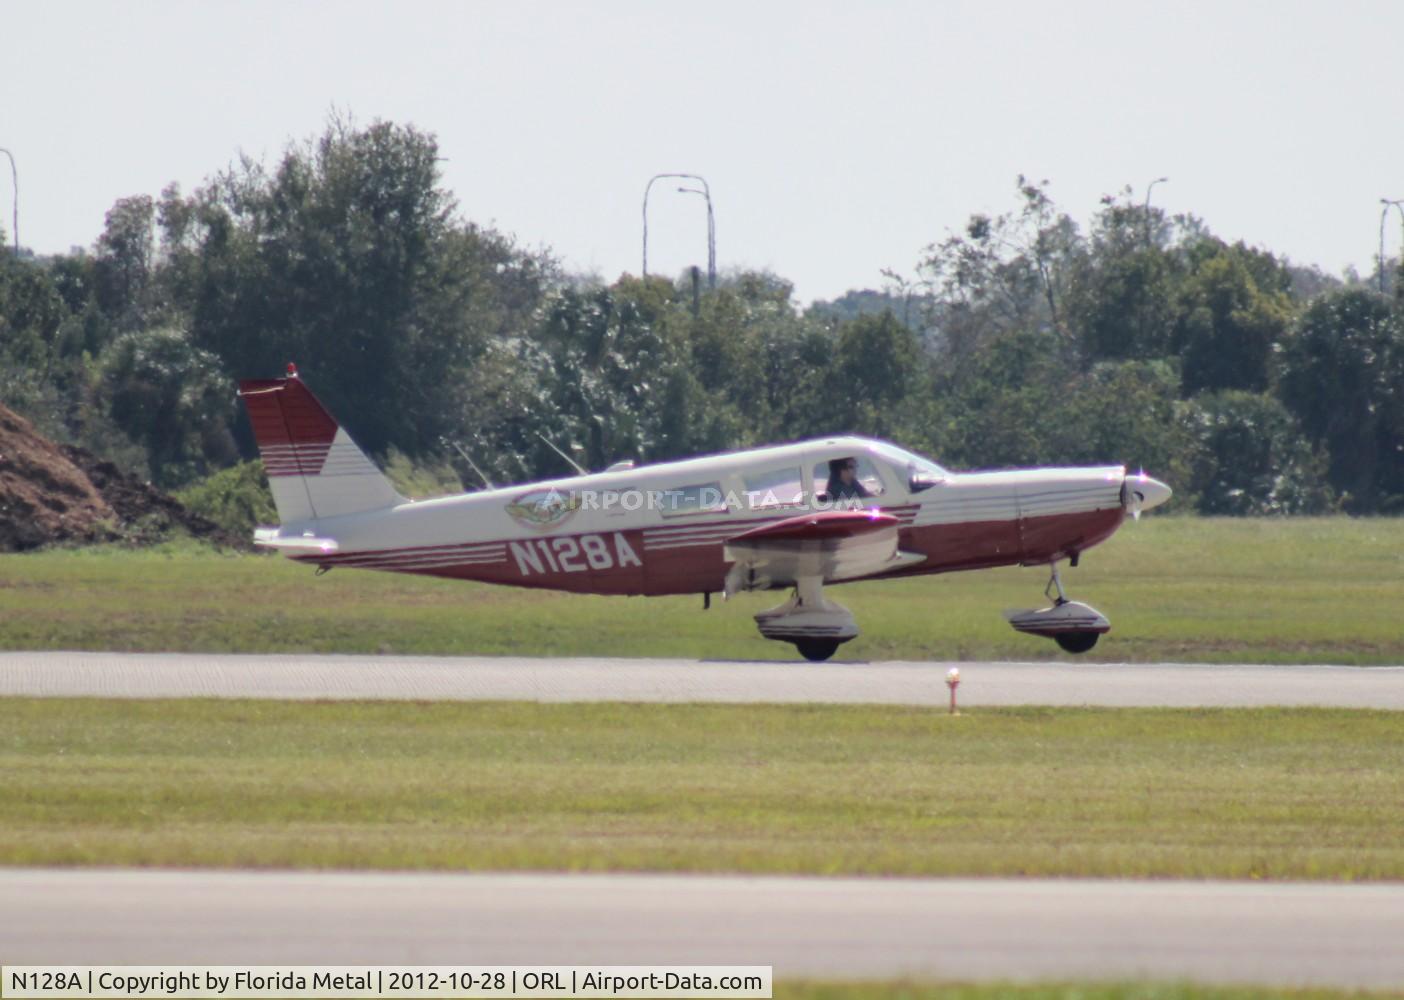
573 463
487 483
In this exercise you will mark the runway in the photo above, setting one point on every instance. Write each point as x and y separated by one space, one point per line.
313 677
1306 934
952 929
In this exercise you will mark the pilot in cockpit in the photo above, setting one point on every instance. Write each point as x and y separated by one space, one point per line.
843 481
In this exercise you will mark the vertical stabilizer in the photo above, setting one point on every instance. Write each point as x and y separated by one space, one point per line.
314 468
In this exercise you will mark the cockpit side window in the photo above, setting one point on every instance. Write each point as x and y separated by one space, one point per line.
846 479
768 489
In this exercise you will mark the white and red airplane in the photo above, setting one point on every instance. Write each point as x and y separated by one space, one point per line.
792 516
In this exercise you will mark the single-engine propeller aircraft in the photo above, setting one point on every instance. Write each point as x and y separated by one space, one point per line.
793 516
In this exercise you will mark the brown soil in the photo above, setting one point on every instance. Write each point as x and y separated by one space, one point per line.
52 493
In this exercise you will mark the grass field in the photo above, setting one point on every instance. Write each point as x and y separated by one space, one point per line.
1280 794
1277 591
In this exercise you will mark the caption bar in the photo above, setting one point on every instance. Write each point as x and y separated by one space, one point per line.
346 982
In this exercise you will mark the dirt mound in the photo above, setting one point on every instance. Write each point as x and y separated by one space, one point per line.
56 493
144 512
44 497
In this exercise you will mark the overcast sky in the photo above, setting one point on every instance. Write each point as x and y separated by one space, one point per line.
838 138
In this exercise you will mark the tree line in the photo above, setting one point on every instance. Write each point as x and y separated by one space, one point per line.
1251 385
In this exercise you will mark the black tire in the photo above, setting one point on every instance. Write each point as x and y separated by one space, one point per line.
817 650
1076 642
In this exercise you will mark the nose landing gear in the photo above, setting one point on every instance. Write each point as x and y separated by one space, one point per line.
1074 626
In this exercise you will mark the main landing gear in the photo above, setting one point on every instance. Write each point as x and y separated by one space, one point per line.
817 650
816 625
1074 626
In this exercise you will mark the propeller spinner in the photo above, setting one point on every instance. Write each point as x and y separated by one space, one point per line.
1142 492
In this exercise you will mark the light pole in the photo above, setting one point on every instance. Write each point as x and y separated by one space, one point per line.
706 192
711 234
1388 203
1145 211
14 176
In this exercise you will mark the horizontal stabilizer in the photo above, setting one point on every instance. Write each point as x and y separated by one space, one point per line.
294 543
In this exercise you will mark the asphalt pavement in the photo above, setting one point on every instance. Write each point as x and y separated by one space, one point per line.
951 929
201 675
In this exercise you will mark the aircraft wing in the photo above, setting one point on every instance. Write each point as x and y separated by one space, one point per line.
829 545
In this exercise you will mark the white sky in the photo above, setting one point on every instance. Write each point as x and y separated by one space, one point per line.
838 138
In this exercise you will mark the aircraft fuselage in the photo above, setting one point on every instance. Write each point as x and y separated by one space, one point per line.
661 529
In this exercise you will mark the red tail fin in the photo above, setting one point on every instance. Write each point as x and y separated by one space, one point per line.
314 468
294 431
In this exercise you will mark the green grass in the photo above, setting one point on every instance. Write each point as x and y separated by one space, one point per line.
1276 591
903 990
1278 794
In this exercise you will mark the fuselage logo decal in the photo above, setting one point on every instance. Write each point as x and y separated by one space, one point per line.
543 509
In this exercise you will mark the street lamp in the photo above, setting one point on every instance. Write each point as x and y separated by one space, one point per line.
711 235
14 176
706 192
1384 214
1145 211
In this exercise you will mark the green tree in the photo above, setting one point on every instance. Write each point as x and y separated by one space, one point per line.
1121 303
761 364
349 258
877 366
124 262
1129 413
1252 459
794 359
1233 309
237 498
32 313
607 359
999 406
35 320
173 398
1004 273
1343 377
1022 401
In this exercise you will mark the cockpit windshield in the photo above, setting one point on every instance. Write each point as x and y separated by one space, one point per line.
921 473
